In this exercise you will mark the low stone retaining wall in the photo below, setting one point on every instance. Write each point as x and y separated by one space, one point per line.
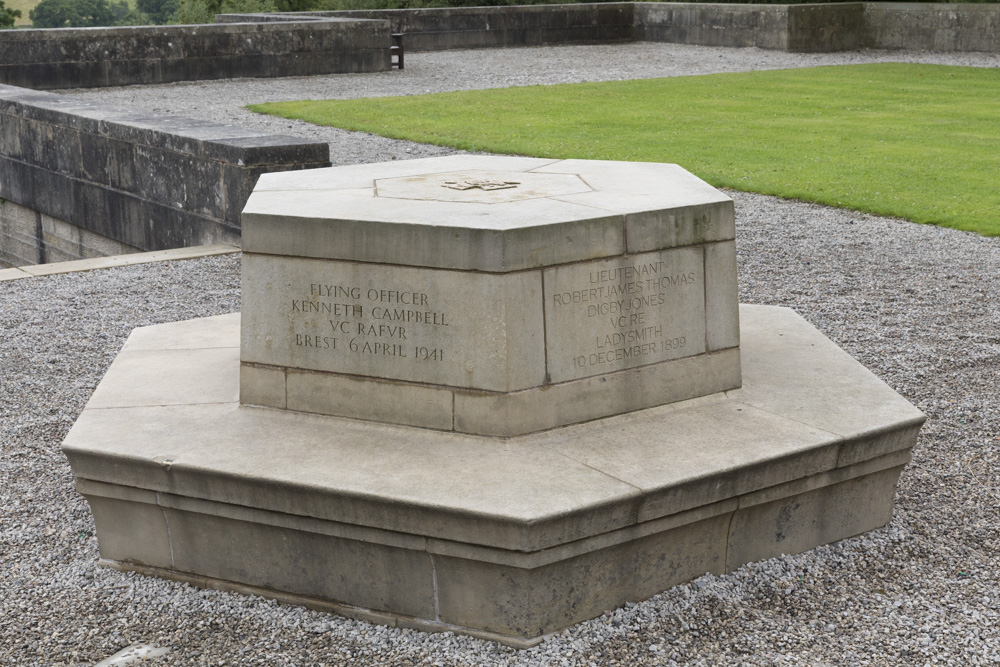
793 27
95 57
819 28
28 237
508 26
148 181
932 27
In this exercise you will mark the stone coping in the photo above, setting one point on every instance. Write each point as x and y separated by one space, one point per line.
166 420
34 271
554 212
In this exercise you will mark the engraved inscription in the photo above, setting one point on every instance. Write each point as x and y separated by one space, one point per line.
618 314
453 328
372 321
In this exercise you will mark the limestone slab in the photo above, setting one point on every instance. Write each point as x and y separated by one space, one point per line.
800 522
413 405
456 212
623 313
171 377
496 491
202 333
722 320
130 259
364 175
471 330
480 186
788 348
420 234
744 448
364 517
552 406
13 274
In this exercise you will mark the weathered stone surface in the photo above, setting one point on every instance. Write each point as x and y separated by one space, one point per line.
73 58
623 313
517 530
484 27
115 174
461 329
480 290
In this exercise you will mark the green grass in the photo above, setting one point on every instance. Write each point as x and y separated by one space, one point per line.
25 6
920 142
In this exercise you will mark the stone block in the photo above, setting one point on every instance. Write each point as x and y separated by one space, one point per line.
161 377
17 184
722 321
394 322
275 151
798 523
624 313
200 192
261 385
844 390
523 535
108 161
503 281
522 602
416 405
130 525
366 574
615 393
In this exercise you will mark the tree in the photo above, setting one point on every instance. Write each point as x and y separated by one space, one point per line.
204 11
72 14
7 16
159 12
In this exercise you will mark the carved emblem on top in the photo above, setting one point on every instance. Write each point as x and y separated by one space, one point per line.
485 184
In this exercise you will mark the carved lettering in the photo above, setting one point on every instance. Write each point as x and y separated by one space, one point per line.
376 329
638 312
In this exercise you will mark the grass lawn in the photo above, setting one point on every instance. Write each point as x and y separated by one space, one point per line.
25 6
920 142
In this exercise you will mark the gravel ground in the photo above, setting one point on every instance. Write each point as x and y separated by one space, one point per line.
916 304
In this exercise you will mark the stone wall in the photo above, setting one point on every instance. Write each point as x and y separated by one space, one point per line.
28 237
932 27
145 180
445 28
94 57
792 27
762 26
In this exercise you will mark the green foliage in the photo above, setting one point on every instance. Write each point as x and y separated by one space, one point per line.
204 11
158 12
915 141
72 14
7 16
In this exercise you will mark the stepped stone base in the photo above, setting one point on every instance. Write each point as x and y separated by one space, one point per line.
505 538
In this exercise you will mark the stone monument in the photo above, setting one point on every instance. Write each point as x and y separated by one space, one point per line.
493 395
498 302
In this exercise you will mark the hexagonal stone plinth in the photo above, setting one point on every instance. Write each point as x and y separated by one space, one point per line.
508 538
487 295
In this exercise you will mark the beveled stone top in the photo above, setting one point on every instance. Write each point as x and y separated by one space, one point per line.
166 417
482 212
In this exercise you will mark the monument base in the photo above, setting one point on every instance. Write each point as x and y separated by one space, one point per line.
504 538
